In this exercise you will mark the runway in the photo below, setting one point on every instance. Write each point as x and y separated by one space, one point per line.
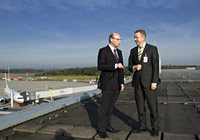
32 86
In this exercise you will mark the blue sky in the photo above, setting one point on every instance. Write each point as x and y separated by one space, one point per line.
68 33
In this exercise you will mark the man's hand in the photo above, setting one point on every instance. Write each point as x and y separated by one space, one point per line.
119 65
138 67
122 88
153 86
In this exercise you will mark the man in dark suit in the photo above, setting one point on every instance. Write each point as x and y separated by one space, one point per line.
111 82
144 62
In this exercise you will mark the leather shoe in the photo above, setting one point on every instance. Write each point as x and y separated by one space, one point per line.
103 135
155 133
112 130
138 130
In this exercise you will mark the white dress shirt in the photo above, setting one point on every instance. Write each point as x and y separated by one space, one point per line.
113 48
143 46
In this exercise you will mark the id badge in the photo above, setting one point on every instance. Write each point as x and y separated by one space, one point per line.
145 60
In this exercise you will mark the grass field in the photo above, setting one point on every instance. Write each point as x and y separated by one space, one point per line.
79 78
71 77
53 78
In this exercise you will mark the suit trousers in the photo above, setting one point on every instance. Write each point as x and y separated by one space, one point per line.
142 94
108 101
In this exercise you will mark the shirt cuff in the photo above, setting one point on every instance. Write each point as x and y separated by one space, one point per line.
115 66
134 68
154 84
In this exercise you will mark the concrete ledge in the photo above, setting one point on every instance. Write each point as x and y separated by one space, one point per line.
170 136
89 133
72 131
115 136
60 130
69 131
27 128
143 136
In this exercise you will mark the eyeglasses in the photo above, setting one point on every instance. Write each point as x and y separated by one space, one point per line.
117 39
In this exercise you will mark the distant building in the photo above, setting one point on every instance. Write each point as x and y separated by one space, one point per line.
197 68
191 68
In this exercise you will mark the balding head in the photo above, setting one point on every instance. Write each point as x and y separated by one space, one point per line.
114 39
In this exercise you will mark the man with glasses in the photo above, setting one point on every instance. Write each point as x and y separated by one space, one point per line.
111 82
144 62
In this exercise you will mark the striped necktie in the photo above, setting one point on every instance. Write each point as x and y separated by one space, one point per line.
139 53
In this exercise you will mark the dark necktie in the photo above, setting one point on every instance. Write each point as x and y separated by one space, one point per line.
115 54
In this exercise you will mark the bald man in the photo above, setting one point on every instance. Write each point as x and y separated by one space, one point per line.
111 82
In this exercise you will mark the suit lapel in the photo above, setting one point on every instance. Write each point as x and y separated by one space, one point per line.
111 54
144 52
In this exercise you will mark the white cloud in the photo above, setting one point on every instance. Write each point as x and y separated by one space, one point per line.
177 43
15 6
163 3
21 5
94 4
59 4
185 31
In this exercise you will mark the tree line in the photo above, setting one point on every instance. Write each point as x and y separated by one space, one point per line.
23 70
90 71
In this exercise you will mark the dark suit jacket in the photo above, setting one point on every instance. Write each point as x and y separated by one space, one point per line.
150 70
110 78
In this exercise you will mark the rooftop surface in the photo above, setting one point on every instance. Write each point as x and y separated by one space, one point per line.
179 117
